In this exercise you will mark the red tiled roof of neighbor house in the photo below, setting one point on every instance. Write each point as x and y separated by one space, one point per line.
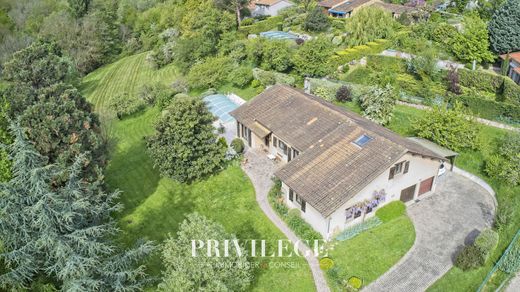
512 56
266 2
331 169
330 3
350 5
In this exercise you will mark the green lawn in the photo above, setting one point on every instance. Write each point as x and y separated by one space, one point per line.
154 206
373 252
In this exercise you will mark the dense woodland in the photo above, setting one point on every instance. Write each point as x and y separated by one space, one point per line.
57 214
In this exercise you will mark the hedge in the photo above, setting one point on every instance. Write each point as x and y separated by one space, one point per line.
489 82
357 52
376 62
486 242
488 109
261 26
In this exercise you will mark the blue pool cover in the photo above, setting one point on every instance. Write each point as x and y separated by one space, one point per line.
220 105
280 35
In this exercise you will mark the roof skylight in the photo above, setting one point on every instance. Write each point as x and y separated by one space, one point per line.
362 140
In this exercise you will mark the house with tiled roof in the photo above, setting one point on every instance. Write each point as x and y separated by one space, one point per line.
337 167
268 7
513 70
347 8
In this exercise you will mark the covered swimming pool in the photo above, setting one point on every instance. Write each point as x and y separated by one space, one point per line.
279 35
220 105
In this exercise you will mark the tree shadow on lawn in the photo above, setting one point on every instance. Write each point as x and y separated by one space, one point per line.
133 174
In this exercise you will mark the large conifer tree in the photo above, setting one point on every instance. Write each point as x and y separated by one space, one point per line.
504 28
60 231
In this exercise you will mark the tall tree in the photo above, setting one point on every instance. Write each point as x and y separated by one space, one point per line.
202 273
61 232
312 58
39 65
185 146
369 24
79 7
234 5
472 44
316 20
504 28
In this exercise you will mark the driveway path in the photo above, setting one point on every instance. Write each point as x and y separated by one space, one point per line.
443 222
260 170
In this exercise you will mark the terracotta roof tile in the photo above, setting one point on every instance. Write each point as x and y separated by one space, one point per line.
331 168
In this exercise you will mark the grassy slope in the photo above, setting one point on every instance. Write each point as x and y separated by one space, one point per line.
154 206
372 253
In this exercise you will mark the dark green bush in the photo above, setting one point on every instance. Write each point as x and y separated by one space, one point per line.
469 258
391 211
302 229
238 145
344 94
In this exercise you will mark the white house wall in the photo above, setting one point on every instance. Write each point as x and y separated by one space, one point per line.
272 10
420 169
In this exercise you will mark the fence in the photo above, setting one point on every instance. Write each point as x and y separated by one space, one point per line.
499 262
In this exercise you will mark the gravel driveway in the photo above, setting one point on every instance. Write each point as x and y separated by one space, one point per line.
443 222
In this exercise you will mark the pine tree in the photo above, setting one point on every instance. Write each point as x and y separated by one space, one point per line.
61 231
504 28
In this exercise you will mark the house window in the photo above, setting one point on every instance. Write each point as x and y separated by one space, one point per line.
291 195
368 209
349 213
295 153
301 201
275 141
357 212
282 147
401 167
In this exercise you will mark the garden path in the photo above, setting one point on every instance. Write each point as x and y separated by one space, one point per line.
444 222
260 170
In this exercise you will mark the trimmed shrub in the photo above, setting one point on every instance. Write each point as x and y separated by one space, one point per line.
300 227
267 78
357 52
511 91
125 105
238 145
480 80
325 93
488 109
326 264
276 199
505 163
355 282
486 242
247 21
469 258
391 211
344 94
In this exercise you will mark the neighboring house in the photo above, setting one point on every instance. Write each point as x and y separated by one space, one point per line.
514 66
347 8
268 7
344 8
338 167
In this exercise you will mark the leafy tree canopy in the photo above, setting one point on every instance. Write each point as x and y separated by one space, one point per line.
472 44
369 24
452 128
312 58
378 104
504 28
202 273
39 65
184 146
316 21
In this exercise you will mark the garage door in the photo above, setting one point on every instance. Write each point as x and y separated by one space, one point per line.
407 194
426 186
